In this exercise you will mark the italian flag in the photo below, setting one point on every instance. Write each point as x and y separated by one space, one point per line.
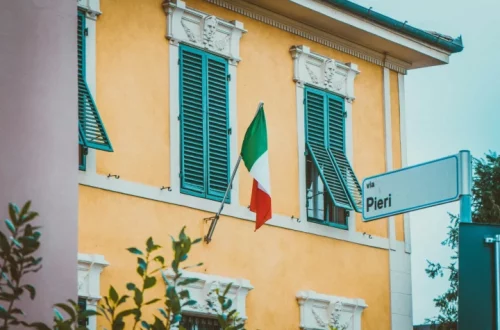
255 156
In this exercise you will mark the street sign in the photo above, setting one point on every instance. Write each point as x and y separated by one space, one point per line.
411 188
477 306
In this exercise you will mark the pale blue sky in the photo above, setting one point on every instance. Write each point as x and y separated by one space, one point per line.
449 108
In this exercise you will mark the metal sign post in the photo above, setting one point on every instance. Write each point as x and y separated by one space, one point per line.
465 186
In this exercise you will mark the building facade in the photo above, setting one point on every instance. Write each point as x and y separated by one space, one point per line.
166 92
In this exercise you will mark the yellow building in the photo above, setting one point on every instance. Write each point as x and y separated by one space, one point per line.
167 92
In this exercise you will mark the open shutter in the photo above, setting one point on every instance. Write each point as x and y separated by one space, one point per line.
192 121
92 129
218 128
316 144
336 131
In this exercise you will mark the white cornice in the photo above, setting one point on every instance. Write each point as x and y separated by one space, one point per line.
319 311
202 292
323 72
312 34
203 30
90 7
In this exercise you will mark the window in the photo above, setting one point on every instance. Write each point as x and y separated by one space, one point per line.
191 322
204 124
91 131
82 304
332 187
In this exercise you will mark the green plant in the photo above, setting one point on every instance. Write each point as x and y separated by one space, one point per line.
149 265
228 318
17 259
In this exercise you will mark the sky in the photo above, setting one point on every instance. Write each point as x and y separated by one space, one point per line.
449 108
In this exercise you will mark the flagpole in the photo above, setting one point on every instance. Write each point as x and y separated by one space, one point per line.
208 237
214 219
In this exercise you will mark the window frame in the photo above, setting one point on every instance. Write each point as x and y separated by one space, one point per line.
184 24
328 144
308 69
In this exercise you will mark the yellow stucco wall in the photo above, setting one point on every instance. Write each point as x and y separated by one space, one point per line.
133 95
396 142
277 262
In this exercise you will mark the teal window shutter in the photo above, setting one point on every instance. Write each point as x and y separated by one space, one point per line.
192 121
204 124
91 129
218 127
317 141
336 140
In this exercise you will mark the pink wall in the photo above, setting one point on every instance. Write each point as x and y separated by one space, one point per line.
38 135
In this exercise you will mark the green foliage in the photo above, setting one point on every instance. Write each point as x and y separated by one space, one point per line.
17 254
150 264
18 258
486 189
227 317
485 209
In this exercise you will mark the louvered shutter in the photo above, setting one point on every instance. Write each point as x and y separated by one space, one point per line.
192 104
336 139
316 144
92 131
218 127
204 124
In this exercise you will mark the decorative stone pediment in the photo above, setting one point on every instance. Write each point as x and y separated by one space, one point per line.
205 31
323 72
90 267
319 311
203 291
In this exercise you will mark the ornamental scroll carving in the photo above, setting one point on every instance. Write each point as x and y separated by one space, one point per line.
319 311
322 72
192 27
203 292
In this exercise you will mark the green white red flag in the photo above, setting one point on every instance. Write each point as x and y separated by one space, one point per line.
255 156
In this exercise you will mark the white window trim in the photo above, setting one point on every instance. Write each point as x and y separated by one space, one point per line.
318 311
90 267
187 26
173 196
312 69
202 291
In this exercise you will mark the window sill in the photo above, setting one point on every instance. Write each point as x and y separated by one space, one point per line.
329 224
122 186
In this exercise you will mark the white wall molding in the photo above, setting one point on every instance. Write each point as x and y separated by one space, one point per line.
388 146
90 7
202 290
310 33
203 30
90 267
404 153
400 284
323 72
318 311
231 210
